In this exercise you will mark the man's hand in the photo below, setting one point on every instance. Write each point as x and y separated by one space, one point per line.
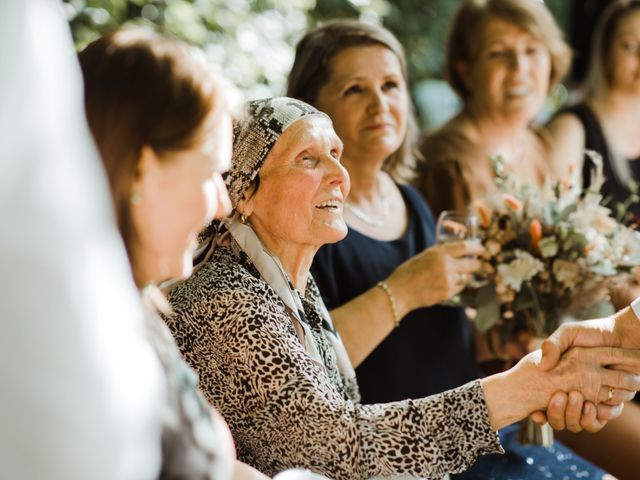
621 330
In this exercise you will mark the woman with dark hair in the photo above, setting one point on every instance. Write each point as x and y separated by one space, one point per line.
607 119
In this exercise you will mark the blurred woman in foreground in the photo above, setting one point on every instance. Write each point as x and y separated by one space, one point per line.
161 120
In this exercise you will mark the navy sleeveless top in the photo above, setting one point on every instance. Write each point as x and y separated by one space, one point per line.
431 351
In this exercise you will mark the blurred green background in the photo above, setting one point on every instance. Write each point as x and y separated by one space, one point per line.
253 40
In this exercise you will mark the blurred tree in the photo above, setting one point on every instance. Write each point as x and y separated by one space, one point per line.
253 40
421 25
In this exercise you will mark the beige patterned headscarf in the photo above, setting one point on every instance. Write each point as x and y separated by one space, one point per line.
255 135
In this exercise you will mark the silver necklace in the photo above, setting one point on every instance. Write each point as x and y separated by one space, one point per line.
372 221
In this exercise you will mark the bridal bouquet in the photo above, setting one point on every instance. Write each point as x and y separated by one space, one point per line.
547 250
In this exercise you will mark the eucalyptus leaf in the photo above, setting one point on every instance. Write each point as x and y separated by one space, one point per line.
578 240
568 210
548 214
548 247
488 308
524 300
604 269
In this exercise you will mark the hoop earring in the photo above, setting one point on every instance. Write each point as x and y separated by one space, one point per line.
136 198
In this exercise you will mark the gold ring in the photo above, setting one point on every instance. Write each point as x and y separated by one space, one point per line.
463 277
610 395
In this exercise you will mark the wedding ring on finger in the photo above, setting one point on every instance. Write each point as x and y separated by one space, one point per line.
610 394
464 276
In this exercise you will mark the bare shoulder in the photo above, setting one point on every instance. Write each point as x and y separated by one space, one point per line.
566 143
566 127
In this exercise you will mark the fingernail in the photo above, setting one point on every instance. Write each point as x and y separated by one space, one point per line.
557 402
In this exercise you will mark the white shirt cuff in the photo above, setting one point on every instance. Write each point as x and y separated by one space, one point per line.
635 306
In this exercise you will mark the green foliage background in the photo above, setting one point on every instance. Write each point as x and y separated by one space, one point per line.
253 40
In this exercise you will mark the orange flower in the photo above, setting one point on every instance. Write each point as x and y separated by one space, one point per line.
535 231
484 213
512 202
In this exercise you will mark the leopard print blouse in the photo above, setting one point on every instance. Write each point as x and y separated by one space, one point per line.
286 410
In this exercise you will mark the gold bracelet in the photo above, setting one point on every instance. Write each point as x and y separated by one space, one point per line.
392 301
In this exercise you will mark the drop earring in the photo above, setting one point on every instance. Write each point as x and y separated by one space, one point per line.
243 218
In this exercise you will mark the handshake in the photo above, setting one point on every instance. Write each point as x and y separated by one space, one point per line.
578 380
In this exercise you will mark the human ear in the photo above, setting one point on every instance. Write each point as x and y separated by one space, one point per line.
145 167
246 205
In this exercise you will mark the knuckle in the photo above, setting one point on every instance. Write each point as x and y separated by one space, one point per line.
574 428
616 354
592 427
621 380
556 424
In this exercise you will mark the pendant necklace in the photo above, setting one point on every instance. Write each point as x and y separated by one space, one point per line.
372 221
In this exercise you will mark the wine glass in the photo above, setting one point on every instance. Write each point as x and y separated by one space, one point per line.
458 226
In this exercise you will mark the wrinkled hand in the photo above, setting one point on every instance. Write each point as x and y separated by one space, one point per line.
570 411
436 274
584 370
591 371
619 330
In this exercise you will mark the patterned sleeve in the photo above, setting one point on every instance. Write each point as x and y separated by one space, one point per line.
284 411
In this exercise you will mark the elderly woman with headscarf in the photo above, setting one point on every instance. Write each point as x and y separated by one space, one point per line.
252 323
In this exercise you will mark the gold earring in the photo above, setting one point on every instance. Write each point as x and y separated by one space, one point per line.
136 198
243 218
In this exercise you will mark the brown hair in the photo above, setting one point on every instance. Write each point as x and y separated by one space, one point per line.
142 89
529 15
311 71
599 75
